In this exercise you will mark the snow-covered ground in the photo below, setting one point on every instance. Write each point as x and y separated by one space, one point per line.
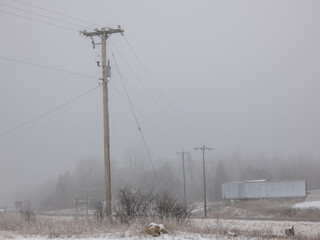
313 201
178 236
203 229
303 205
313 195
216 229
72 211
276 228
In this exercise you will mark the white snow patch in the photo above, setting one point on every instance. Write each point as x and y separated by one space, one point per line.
155 224
303 205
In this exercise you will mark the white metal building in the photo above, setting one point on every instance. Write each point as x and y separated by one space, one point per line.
265 188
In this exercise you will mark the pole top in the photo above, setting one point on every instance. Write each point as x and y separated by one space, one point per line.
203 148
103 30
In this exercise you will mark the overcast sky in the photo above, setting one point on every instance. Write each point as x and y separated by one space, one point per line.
239 75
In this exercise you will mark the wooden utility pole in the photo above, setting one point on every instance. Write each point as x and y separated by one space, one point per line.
184 178
104 34
203 148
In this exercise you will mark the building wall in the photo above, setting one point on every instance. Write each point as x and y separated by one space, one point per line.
264 189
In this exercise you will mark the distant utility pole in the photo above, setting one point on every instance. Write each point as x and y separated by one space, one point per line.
104 34
184 178
203 148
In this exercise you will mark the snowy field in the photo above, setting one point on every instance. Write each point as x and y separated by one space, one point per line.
181 236
196 229
261 228
216 227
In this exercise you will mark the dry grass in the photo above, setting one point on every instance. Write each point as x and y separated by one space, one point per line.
54 227
69 227
254 229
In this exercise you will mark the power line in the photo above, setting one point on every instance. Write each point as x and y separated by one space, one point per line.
58 13
144 116
41 15
154 82
40 21
147 90
47 67
47 113
148 106
91 77
136 119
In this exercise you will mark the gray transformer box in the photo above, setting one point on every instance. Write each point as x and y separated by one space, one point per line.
265 188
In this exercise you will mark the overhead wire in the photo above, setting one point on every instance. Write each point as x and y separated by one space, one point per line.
34 6
46 113
58 13
40 21
147 90
91 77
144 102
143 115
156 85
42 15
55 25
136 119
47 67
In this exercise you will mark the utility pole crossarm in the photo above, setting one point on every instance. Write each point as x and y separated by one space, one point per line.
203 148
102 31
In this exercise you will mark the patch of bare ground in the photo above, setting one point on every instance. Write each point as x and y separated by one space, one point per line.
263 209
256 229
55 227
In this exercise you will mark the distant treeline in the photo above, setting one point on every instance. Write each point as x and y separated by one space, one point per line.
136 171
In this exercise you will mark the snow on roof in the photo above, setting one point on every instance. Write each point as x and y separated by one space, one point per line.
250 181
267 180
258 180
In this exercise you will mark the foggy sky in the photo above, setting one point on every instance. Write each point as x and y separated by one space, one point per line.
241 74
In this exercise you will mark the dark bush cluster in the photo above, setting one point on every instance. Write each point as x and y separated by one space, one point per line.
99 211
132 204
27 213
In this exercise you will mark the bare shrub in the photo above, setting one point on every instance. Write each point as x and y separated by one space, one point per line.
132 204
27 213
182 212
99 211
165 204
